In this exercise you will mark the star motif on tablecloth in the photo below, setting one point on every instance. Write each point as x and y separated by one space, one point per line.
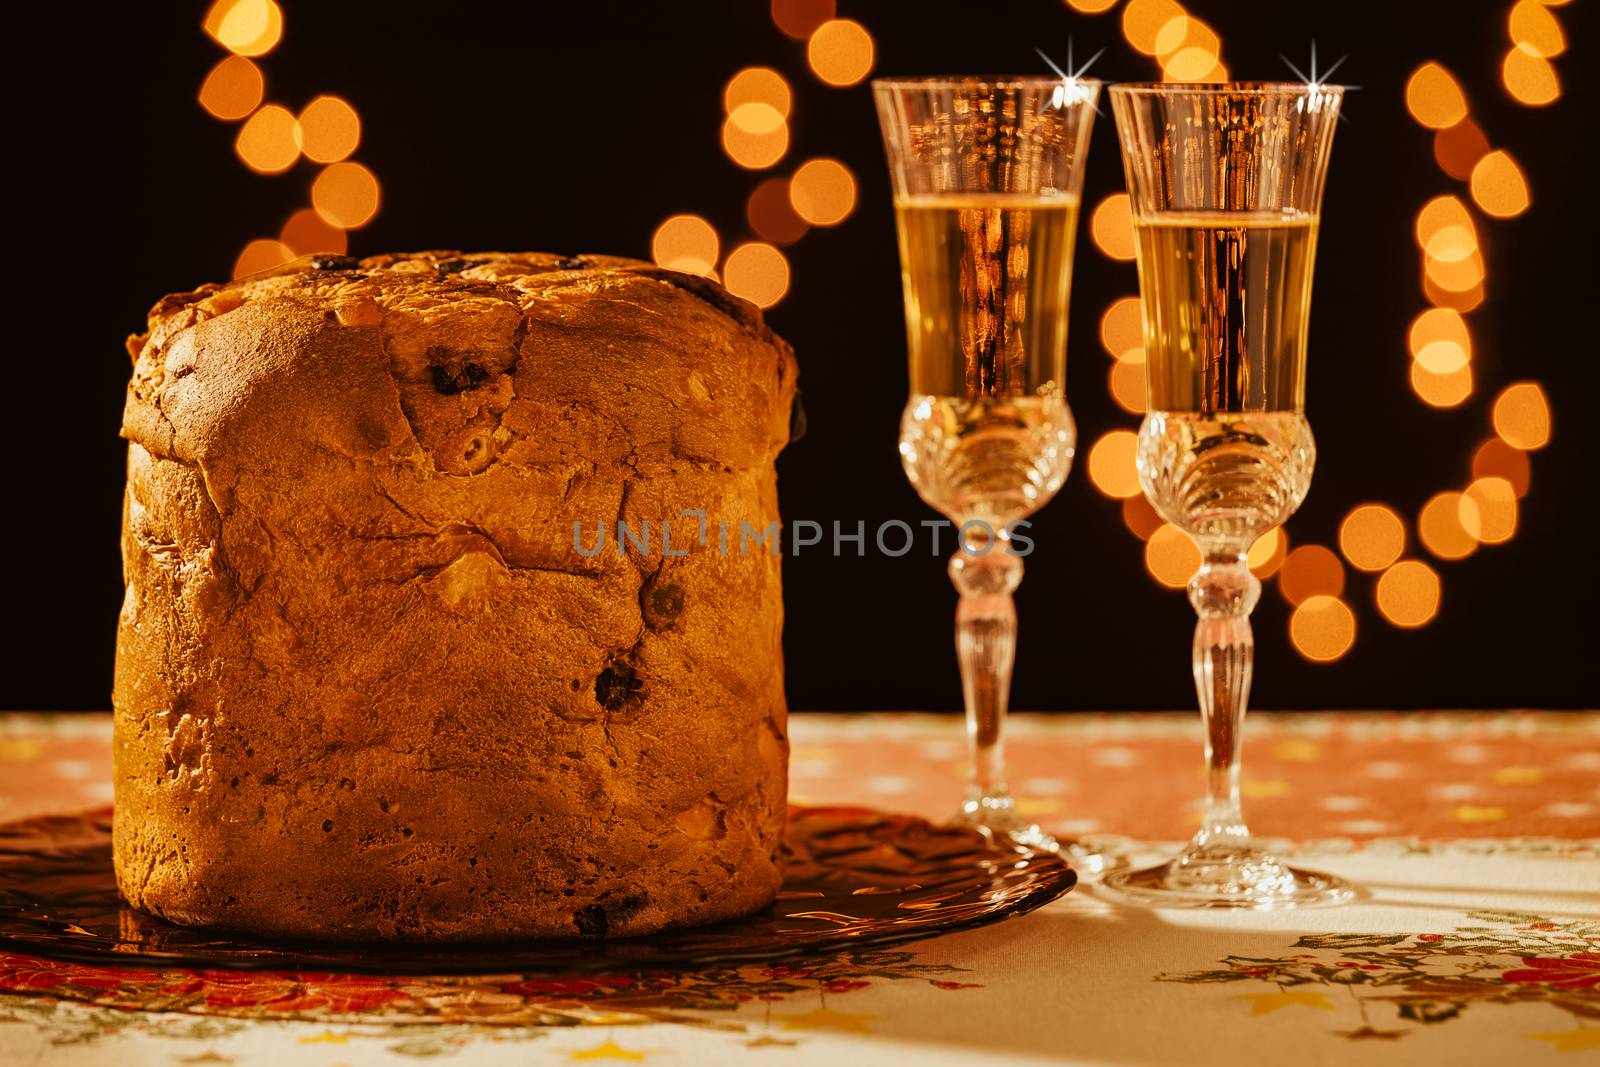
1582 1039
1476 813
608 1050
1367 1033
849 1022
327 1037
768 1041
1298 750
19 749
1267 1003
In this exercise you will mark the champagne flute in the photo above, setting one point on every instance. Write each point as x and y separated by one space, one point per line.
1226 182
988 176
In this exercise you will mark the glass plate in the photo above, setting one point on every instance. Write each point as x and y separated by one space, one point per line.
856 877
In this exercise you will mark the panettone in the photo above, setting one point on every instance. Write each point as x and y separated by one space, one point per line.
373 681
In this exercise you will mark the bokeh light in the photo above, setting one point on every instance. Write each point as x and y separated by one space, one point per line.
800 18
1112 466
1488 510
757 118
1439 527
1522 416
1434 97
1529 79
1170 37
1122 330
1498 186
1171 556
1127 386
1186 31
686 243
269 140
1143 20
330 130
841 52
757 85
772 216
1441 390
269 38
261 254
1092 7
1308 571
233 89
1268 553
1535 30
1372 537
307 232
1439 326
823 192
1443 358
1189 51
1463 301
1139 517
1111 226
1452 244
750 149
1496 459
1322 628
245 27
1408 594
346 194
1441 213
1193 65
758 272
1454 275
1458 148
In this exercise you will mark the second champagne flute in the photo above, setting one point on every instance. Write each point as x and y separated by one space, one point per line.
1226 182
987 177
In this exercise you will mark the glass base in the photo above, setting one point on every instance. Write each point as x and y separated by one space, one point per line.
1238 876
997 819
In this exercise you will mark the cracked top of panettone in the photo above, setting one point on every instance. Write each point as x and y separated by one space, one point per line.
428 352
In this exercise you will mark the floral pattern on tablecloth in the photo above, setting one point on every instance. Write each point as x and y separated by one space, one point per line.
501 1000
1400 982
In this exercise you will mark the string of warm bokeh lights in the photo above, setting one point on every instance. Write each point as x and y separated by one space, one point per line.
1372 538
272 139
822 192
1186 49
779 211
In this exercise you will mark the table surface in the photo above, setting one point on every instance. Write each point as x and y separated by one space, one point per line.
1474 838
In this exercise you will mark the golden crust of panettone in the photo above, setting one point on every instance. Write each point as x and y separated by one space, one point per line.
366 687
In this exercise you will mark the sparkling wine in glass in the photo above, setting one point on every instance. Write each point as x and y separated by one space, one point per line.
988 175
1226 182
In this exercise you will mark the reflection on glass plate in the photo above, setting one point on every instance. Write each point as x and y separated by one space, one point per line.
856 877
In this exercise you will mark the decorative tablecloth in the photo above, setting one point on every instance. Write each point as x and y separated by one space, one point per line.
1475 839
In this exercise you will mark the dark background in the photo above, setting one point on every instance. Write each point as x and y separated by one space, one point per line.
578 127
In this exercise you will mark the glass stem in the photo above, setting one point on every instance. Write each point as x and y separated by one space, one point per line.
1223 593
986 645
